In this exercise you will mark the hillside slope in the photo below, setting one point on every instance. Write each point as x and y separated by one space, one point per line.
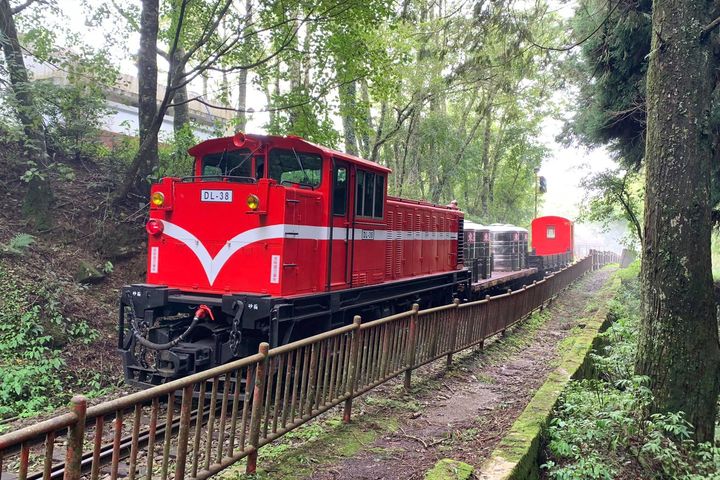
59 295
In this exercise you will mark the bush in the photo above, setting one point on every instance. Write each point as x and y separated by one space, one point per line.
601 430
32 331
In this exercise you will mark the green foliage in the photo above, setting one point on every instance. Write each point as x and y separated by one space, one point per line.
17 245
74 103
174 160
610 72
32 333
601 428
612 196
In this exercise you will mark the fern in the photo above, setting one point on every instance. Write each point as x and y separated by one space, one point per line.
17 245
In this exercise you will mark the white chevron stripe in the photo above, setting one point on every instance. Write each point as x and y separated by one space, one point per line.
213 265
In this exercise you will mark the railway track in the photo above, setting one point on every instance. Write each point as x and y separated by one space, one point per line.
256 400
105 454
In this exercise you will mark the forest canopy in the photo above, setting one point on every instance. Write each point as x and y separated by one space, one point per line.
450 95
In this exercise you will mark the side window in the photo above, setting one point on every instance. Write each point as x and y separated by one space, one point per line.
369 194
550 231
359 197
379 191
340 190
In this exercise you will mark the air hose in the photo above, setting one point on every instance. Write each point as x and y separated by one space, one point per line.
200 313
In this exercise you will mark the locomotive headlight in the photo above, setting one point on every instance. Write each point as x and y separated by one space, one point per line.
157 199
253 202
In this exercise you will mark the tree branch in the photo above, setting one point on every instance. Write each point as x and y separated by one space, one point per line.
23 6
302 103
707 30
128 18
577 44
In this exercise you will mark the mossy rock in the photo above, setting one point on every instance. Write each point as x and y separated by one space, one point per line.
449 469
88 274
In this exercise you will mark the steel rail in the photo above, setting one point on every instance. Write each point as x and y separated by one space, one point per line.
105 455
284 388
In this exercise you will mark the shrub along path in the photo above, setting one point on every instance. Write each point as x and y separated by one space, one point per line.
460 414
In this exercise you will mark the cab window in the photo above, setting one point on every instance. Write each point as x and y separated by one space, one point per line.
295 167
369 194
550 233
340 190
235 163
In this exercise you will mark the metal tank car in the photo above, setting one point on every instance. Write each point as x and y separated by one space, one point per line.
509 247
275 239
478 253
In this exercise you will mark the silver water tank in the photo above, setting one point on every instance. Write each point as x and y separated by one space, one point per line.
523 245
478 256
505 241
509 246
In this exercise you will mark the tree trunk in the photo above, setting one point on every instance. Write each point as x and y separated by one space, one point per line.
485 163
38 198
241 117
181 110
366 119
678 346
147 156
375 150
348 95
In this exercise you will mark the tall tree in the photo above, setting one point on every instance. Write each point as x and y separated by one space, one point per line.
147 86
678 348
39 198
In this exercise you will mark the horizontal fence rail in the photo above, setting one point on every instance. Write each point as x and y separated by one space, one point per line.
198 425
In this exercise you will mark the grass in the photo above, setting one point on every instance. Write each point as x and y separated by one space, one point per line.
322 442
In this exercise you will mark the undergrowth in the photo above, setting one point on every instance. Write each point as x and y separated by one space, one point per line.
600 428
33 333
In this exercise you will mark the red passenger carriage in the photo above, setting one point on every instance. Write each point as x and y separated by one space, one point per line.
552 235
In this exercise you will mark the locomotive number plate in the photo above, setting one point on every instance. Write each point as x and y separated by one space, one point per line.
216 195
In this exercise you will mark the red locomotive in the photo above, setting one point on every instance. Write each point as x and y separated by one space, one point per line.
274 239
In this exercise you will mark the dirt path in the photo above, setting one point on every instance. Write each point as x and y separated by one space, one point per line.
469 409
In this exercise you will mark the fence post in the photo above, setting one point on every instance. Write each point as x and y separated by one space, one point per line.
255 416
385 350
183 434
76 433
453 331
504 315
354 349
410 347
487 320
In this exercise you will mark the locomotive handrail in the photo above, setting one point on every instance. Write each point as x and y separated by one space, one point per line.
284 388
227 177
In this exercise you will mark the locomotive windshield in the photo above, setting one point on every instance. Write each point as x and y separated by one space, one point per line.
295 167
235 163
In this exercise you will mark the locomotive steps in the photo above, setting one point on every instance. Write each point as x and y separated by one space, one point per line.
462 414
